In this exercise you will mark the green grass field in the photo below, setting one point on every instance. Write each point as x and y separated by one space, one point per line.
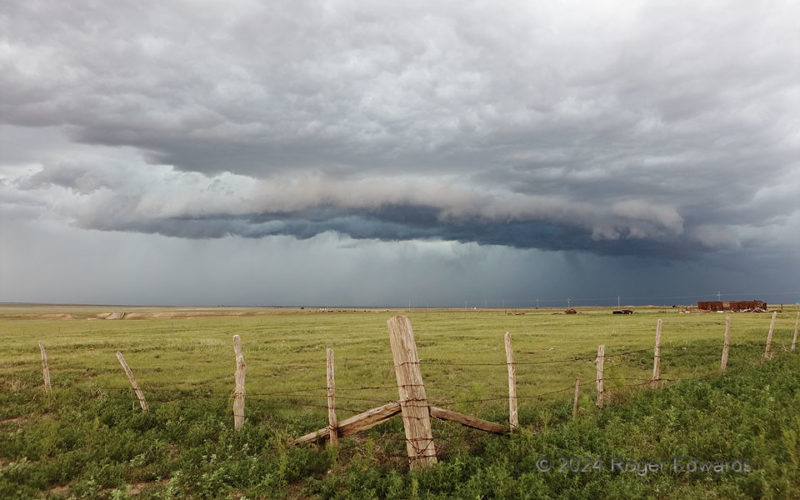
89 438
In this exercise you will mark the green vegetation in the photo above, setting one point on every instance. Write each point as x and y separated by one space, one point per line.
89 439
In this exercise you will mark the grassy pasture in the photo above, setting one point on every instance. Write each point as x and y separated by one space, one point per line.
183 359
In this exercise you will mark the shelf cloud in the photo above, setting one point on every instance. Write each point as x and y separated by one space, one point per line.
638 129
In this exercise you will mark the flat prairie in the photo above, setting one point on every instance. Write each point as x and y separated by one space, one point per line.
183 359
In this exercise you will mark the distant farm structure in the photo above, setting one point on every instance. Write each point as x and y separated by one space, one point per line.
733 306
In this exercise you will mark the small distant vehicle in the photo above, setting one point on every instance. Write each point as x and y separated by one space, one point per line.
623 311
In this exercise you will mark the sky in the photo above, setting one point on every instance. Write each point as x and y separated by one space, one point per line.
399 153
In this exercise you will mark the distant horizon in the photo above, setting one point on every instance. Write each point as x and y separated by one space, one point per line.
496 304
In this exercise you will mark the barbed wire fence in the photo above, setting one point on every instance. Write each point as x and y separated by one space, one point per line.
693 359
171 396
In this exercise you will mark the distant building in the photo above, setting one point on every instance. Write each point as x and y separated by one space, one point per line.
732 305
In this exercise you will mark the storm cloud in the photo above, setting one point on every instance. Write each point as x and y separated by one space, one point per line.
642 129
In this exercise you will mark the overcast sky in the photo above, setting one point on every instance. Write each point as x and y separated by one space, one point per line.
376 153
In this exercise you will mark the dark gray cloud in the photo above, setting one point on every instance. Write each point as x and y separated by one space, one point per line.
639 128
62 264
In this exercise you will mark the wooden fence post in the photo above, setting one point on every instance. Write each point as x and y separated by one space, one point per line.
575 398
356 423
239 378
513 413
796 324
601 358
136 388
45 369
726 343
767 351
657 357
334 436
413 400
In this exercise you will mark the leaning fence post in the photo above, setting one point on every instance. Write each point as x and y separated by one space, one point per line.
767 352
601 357
413 400
239 378
794 338
657 357
334 435
726 343
575 398
513 413
45 369
132 380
